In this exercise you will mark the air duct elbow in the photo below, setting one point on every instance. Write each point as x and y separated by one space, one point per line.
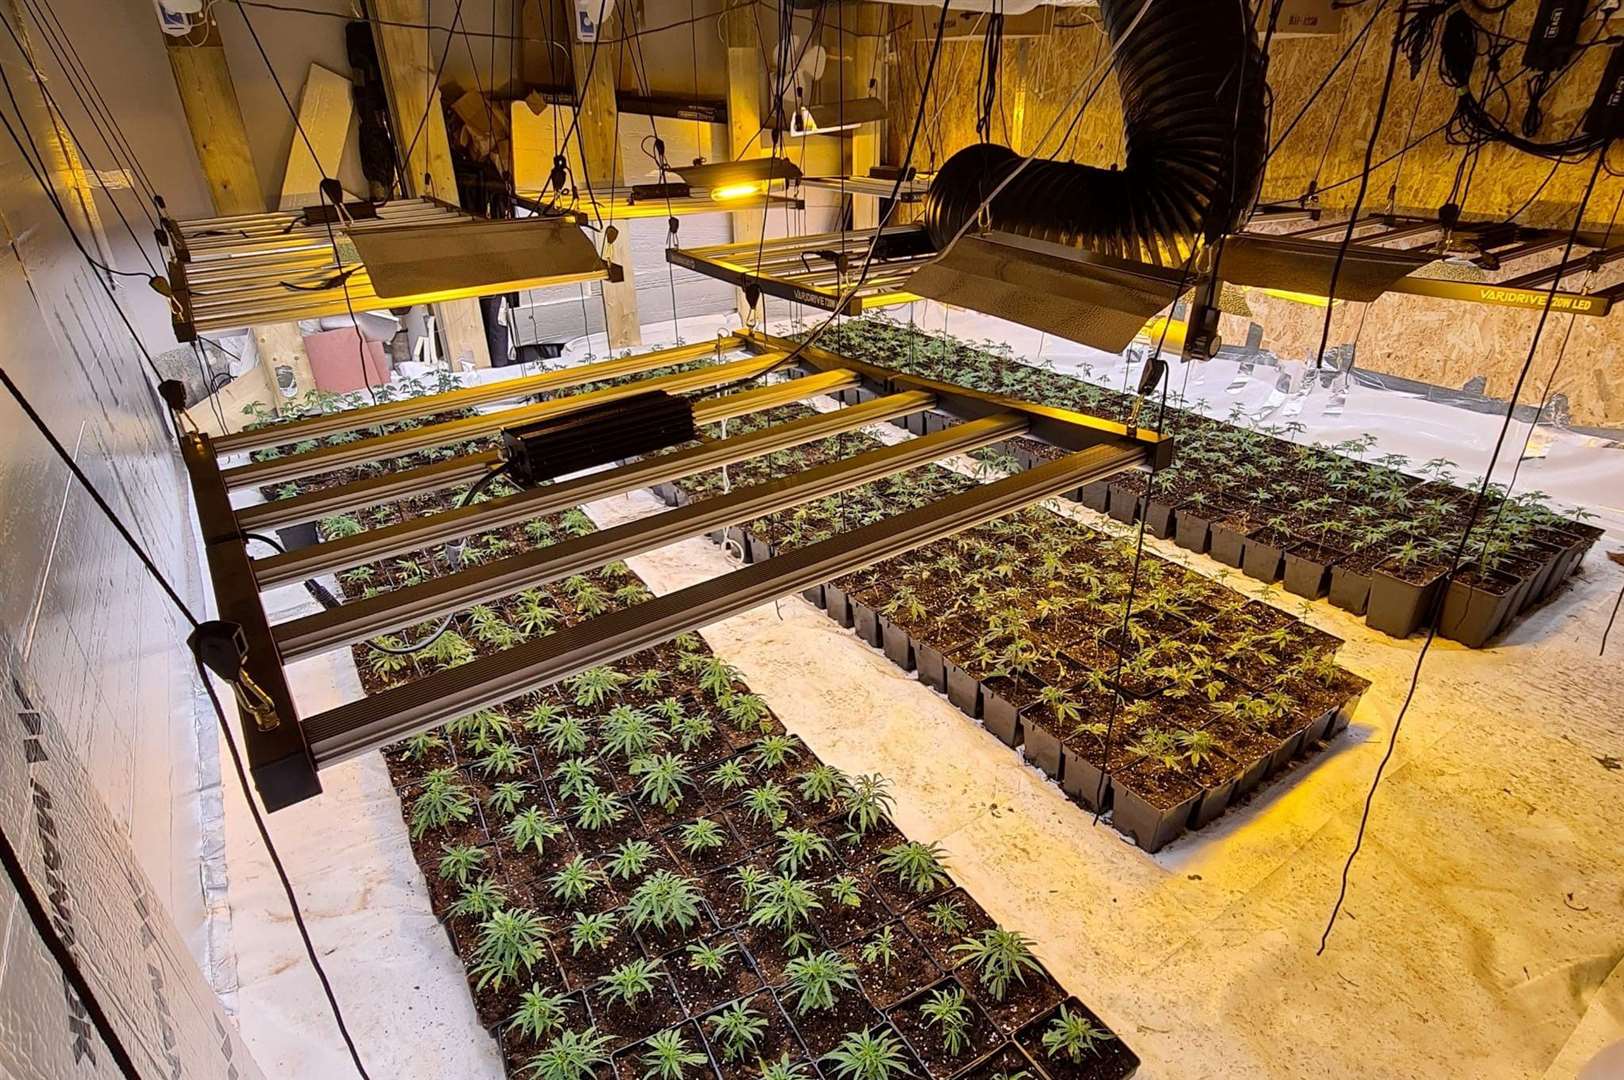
1191 80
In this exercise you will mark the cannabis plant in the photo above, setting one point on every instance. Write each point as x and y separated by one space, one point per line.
441 803
881 949
530 828
598 809
457 861
1069 1036
947 1011
664 901
798 849
478 900
868 802
701 836
814 980
575 880
508 940
822 784
572 1055
540 1013
668 1055
783 902
865 1055
592 931
627 983
999 957
507 796
917 866
661 779
710 959
736 1030
630 859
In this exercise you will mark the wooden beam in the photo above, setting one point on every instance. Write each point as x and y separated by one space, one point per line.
209 99
215 120
421 142
325 109
744 117
595 89
863 24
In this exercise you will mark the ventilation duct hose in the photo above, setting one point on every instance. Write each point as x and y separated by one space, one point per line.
1191 80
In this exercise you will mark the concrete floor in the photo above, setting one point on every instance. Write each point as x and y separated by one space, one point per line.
1482 936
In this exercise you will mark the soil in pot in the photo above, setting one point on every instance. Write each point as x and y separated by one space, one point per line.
945 922
822 1029
1006 1063
629 1065
700 990
649 1013
1153 804
885 983
777 1040
1022 1000
518 1049
1108 1059
842 923
1476 604
981 1036
1350 581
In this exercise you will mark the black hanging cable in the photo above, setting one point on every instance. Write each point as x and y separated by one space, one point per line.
1364 187
430 103
62 954
1455 562
185 612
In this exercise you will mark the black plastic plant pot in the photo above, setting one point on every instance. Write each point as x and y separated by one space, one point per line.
1288 749
1350 589
1152 826
294 537
898 644
915 423
814 596
1253 775
932 668
1398 606
1474 612
1109 1059
1317 731
1042 749
1085 781
1305 574
1192 529
1096 496
1342 716
1214 801
866 621
934 422
1261 560
1001 717
837 604
1227 545
1160 519
1125 504
759 550
963 690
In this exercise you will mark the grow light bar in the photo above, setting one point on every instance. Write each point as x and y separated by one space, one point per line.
285 759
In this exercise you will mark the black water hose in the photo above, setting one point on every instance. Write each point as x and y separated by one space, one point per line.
1191 80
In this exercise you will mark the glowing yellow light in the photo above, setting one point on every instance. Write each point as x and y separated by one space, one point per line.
1297 297
1174 341
729 192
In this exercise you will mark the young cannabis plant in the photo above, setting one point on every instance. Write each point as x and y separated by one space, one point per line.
822 784
947 917
783 902
668 1056
507 796
865 1055
947 1011
710 959
592 932
630 733
595 685
775 751
845 891
508 940
441 804
575 880
917 866
572 1055
999 957
736 1030
630 859
881 949
598 809
575 776
702 836
664 901
627 983
782 1069
457 861
563 734
868 802
539 1014
1070 1036
815 980
529 828
730 775
799 849
478 900
661 779
768 802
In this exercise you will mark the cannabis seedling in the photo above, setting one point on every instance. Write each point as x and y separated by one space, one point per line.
917 866
864 1055
736 1030
572 1055
531 829
710 959
539 1013
628 982
815 980
508 939
668 1055
947 1011
664 901
457 861
1069 1036
1000 957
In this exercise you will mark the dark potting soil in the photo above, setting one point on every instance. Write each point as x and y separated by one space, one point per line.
518 1048
1110 1058
939 942
1022 1000
701 991
629 1064
910 968
897 896
823 1029
857 850
583 969
777 1040
651 1012
842 923
981 1036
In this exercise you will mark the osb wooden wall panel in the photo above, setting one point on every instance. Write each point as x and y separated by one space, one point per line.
1445 343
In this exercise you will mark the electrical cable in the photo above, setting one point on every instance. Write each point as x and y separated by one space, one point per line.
1455 562
62 954
1364 187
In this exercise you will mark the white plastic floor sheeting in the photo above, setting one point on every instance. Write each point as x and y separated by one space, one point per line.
1482 936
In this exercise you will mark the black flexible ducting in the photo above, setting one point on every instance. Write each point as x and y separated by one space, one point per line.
1195 153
